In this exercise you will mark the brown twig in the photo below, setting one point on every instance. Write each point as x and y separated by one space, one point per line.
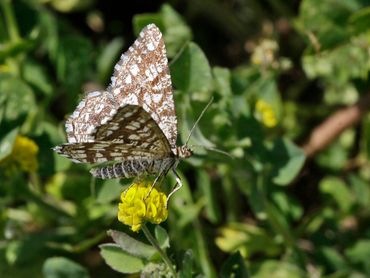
334 125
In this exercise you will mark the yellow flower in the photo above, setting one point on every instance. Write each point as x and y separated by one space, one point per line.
23 156
266 113
137 206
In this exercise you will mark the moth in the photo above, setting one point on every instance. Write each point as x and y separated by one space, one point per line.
133 122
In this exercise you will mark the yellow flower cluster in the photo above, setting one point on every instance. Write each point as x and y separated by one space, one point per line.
137 206
23 156
266 113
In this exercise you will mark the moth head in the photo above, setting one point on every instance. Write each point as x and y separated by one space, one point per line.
184 151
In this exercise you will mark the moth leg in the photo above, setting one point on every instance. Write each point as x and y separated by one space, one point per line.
177 186
136 180
160 176
125 191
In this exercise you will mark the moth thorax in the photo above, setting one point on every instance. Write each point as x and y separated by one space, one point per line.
183 152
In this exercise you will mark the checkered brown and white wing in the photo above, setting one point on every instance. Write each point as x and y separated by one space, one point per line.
133 126
141 77
95 109
102 151
130 134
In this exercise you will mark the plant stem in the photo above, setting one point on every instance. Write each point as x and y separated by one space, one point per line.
81 247
155 244
278 222
10 20
37 199
92 187
230 196
204 257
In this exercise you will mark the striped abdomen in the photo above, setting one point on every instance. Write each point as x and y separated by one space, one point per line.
134 168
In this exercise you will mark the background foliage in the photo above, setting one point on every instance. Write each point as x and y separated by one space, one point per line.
275 69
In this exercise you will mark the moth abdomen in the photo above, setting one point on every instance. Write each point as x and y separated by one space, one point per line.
133 168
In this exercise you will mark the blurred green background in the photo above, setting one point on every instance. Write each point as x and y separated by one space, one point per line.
276 70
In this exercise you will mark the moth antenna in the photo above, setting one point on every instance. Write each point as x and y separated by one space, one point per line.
197 121
214 150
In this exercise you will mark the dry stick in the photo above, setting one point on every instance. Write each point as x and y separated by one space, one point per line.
333 126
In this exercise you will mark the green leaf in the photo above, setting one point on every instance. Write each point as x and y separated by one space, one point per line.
49 32
228 102
211 206
15 48
361 190
288 205
359 20
119 260
108 58
49 161
334 157
17 100
333 259
6 143
222 80
328 24
271 268
189 115
185 211
234 266
279 222
36 76
132 246
186 270
74 63
109 191
287 160
331 65
26 250
337 189
191 72
71 5
248 239
162 237
360 254
365 138
59 267
256 197
77 185
139 21
175 32
29 269
189 214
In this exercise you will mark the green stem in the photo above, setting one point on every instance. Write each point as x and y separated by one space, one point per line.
92 187
11 26
205 262
155 244
197 232
231 203
10 21
88 243
81 247
277 221
35 182
33 196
